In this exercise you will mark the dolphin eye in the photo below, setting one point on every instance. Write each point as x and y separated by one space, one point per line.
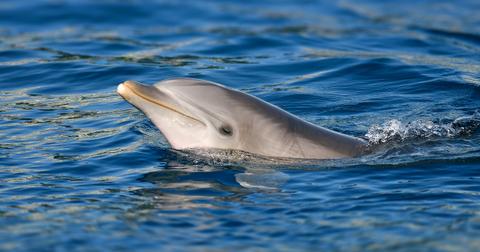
226 130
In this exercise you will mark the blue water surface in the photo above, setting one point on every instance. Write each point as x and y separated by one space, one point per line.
83 170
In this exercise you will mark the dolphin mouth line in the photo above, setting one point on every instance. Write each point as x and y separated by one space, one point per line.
144 97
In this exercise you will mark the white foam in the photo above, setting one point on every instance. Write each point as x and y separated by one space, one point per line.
395 130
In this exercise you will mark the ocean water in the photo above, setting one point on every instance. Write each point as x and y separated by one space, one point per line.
82 170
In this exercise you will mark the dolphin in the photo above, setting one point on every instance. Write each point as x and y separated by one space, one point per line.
199 114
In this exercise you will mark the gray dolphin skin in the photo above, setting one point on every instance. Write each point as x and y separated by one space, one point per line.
193 113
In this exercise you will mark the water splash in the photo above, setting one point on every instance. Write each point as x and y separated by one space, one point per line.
396 131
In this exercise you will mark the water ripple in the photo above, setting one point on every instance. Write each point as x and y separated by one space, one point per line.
80 169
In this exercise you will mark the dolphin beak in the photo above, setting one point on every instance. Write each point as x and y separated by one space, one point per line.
128 87
132 90
135 93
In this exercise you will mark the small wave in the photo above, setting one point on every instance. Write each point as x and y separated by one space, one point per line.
396 131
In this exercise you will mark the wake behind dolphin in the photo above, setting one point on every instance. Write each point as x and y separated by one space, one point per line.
199 114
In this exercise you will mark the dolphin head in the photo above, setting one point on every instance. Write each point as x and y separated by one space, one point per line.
198 114
193 113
